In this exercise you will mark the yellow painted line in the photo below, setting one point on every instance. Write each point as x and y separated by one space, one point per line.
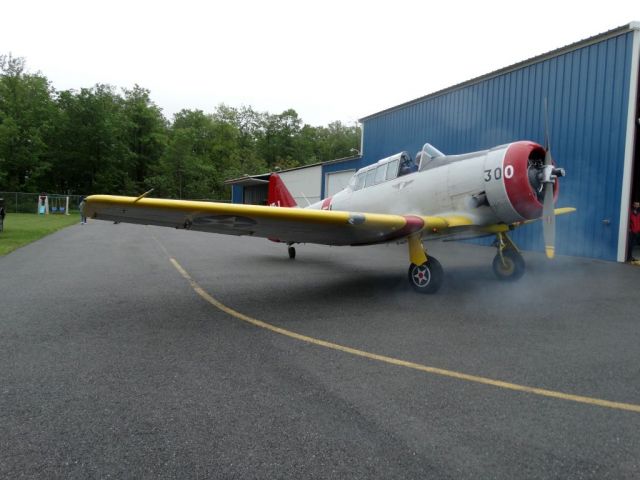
400 363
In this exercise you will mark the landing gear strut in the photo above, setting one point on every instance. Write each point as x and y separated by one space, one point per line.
508 264
425 274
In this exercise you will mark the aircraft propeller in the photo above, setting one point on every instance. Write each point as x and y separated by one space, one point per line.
547 177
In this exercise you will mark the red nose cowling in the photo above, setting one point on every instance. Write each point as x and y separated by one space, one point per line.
520 180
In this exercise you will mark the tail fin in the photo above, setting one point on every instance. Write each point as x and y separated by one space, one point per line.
279 196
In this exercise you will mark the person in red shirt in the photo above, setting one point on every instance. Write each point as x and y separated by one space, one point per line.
634 230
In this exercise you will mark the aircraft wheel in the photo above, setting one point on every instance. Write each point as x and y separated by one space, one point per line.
426 278
511 269
292 252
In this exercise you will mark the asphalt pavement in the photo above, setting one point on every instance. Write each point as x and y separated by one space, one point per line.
113 366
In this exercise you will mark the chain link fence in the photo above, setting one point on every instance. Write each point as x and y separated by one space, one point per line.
20 202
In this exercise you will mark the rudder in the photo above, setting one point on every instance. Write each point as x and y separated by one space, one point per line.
279 195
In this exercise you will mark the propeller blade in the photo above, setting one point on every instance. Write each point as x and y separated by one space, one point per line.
547 147
550 175
549 221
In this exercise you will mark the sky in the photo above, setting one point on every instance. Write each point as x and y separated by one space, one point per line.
329 60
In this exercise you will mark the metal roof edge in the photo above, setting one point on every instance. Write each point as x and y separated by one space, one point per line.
343 159
530 61
232 181
244 178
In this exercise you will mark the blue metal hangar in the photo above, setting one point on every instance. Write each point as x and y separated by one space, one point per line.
591 88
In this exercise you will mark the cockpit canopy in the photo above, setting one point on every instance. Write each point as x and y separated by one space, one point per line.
393 167
383 170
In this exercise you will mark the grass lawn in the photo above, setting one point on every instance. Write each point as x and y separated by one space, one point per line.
23 228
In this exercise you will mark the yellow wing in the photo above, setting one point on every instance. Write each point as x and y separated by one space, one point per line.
294 225
502 227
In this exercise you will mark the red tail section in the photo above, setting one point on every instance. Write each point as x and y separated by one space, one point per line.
279 196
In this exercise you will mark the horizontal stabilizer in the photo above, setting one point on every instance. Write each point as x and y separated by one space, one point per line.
556 211
563 210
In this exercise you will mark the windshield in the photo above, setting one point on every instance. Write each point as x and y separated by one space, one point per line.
432 151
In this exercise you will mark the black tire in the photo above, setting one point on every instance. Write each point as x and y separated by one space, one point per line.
426 278
292 252
512 268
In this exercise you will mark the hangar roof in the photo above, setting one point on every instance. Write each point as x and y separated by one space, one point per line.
553 53
247 181
264 177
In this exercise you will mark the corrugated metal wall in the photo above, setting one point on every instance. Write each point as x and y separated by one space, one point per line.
587 91
237 193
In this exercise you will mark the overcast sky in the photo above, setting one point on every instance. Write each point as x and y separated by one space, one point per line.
329 60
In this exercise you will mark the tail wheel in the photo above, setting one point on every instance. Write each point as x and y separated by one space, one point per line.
292 252
426 278
510 267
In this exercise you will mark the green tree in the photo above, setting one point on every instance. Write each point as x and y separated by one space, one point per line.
201 151
277 144
91 148
145 133
337 141
26 112
248 126
99 140
181 172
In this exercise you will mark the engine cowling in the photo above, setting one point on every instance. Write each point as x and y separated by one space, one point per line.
513 185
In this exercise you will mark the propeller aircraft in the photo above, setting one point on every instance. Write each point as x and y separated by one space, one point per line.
396 199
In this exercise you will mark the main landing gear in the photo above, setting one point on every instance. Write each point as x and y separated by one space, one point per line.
508 264
426 278
425 274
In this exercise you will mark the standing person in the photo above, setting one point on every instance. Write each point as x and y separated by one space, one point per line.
3 213
83 219
634 230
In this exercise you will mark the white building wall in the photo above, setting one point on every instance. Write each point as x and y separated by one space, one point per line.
336 181
304 184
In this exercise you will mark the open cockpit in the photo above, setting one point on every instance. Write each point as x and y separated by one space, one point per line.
393 167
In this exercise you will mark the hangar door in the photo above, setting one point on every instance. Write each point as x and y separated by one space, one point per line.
303 183
336 181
